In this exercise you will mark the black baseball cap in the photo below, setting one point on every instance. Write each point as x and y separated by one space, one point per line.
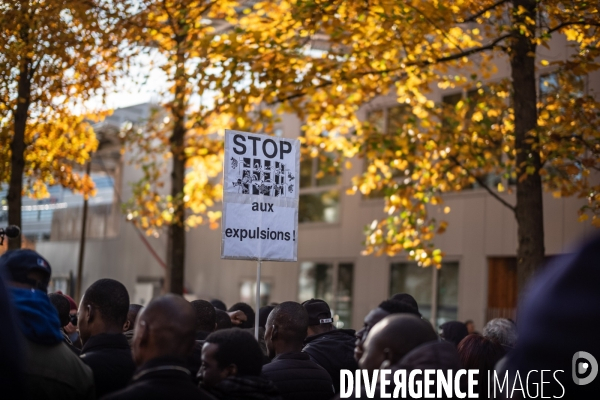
318 312
19 263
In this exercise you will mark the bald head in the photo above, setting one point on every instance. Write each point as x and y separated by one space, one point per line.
166 327
393 337
286 328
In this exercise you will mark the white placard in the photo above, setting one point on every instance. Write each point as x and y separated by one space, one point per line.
260 197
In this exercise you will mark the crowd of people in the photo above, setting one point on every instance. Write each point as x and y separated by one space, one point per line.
107 348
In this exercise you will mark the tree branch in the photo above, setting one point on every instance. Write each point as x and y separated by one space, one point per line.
473 17
570 23
484 185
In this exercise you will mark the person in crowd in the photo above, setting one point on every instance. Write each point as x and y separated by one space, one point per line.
231 367
52 371
218 304
502 331
206 319
558 322
384 309
481 353
453 332
248 311
418 349
470 326
12 377
206 323
223 320
71 327
332 349
406 298
263 314
128 327
102 314
164 335
291 370
61 304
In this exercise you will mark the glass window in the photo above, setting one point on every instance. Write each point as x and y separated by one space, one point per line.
248 292
319 207
419 283
315 281
343 304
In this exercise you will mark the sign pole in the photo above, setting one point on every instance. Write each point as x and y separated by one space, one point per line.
258 267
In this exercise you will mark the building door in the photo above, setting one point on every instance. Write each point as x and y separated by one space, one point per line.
502 288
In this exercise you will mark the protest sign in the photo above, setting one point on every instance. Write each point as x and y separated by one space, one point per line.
260 197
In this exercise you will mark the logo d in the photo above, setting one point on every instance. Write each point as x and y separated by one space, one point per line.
590 365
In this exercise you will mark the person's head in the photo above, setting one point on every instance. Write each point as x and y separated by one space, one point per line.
218 304
502 331
384 309
103 309
26 269
453 332
134 310
231 352
223 320
263 314
286 328
71 327
319 316
246 309
165 327
62 307
206 319
406 298
478 352
392 338
470 326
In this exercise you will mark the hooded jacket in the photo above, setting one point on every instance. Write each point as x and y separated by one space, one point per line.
297 377
245 388
334 351
52 370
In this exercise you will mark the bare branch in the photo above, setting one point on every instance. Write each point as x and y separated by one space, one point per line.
473 17
571 23
484 185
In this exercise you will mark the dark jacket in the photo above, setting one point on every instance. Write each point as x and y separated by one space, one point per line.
161 378
51 370
334 351
109 357
245 388
297 377
433 355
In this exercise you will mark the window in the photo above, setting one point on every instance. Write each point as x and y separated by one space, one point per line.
319 190
331 282
248 292
436 291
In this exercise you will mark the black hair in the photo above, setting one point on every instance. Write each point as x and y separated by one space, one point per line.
218 304
62 306
237 347
292 321
263 314
406 298
223 320
246 309
398 307
205 315
134 310
110 297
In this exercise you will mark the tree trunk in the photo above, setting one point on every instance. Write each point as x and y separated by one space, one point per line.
529 207
174 282
17 158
